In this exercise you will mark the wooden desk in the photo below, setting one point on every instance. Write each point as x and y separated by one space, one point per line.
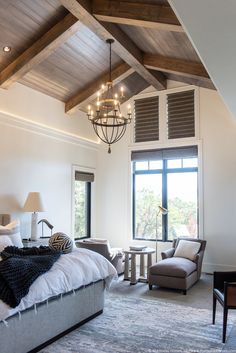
143 277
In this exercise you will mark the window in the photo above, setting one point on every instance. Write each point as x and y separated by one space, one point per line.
82 204
170 179
167 116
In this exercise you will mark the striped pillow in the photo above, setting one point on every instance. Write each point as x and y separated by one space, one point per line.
61 241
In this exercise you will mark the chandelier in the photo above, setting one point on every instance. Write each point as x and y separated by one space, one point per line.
107 119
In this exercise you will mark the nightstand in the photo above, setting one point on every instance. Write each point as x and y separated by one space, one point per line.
30 243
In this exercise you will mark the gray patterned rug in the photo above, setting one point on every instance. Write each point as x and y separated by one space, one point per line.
134 325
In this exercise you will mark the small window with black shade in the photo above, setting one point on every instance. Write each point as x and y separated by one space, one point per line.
82 204
170 180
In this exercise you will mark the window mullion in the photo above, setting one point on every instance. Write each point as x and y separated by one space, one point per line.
88 200
134 205
164 201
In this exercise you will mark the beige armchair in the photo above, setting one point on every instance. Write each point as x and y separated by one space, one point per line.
102 246
178 272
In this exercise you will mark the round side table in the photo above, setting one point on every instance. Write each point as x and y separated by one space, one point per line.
143 277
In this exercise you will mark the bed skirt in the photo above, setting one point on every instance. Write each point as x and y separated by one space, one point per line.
34 327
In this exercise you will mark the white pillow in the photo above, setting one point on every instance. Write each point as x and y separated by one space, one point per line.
4 242
187 249
12 230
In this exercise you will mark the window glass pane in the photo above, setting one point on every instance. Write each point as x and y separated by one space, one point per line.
182 205
174 163
141 165
81 209
189 162
148 196
155 164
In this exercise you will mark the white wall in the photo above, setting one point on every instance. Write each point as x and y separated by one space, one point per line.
211 27
218 132
218 140
39 144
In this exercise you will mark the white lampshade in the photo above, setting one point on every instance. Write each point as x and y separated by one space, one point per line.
33 203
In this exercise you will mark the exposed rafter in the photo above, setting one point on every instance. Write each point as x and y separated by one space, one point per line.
176 66
88 94
204 83
136 14
123 45
40 50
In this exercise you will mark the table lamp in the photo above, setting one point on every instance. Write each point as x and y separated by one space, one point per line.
163 211
34 204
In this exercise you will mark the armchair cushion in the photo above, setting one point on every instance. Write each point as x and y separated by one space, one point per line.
167 253
102 246
174 267
187 249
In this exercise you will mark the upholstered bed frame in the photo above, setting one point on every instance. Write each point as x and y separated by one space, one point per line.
42 324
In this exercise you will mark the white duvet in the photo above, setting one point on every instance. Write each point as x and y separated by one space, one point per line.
70 271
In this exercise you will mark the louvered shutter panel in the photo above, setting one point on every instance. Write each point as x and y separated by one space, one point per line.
146 119
181 115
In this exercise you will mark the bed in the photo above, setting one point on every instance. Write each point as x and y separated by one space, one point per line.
71 293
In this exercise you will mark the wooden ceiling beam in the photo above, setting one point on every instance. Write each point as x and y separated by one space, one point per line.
204 83
175 66
88 94
40 50
123 46
136 14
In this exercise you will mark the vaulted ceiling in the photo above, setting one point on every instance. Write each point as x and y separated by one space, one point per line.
58 47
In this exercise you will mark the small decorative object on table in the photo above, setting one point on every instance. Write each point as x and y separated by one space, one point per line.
137 247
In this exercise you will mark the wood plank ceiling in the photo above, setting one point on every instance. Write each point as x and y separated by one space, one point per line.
58 47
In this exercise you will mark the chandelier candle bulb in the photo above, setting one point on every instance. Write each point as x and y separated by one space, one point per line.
109 123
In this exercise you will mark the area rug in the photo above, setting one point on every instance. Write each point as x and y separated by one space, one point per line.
135 325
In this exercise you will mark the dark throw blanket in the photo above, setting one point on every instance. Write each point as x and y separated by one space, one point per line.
20 268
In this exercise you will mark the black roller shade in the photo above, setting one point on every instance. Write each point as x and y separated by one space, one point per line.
165 153
84 176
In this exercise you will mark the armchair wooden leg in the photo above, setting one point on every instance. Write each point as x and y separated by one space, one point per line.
214 310
225 324
184 292
150 286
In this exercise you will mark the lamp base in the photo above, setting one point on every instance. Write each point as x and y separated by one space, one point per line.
34 226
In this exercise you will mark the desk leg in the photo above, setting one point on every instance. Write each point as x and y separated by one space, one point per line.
126 274
149 264
133 279
142 270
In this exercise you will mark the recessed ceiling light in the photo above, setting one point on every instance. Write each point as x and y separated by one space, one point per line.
6 49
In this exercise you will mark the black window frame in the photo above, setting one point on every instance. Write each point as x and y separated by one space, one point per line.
88 211
164 171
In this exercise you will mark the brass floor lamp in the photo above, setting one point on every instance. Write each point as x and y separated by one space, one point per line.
162 211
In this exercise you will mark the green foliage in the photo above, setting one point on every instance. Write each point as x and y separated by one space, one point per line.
146 214
182 216
80 209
